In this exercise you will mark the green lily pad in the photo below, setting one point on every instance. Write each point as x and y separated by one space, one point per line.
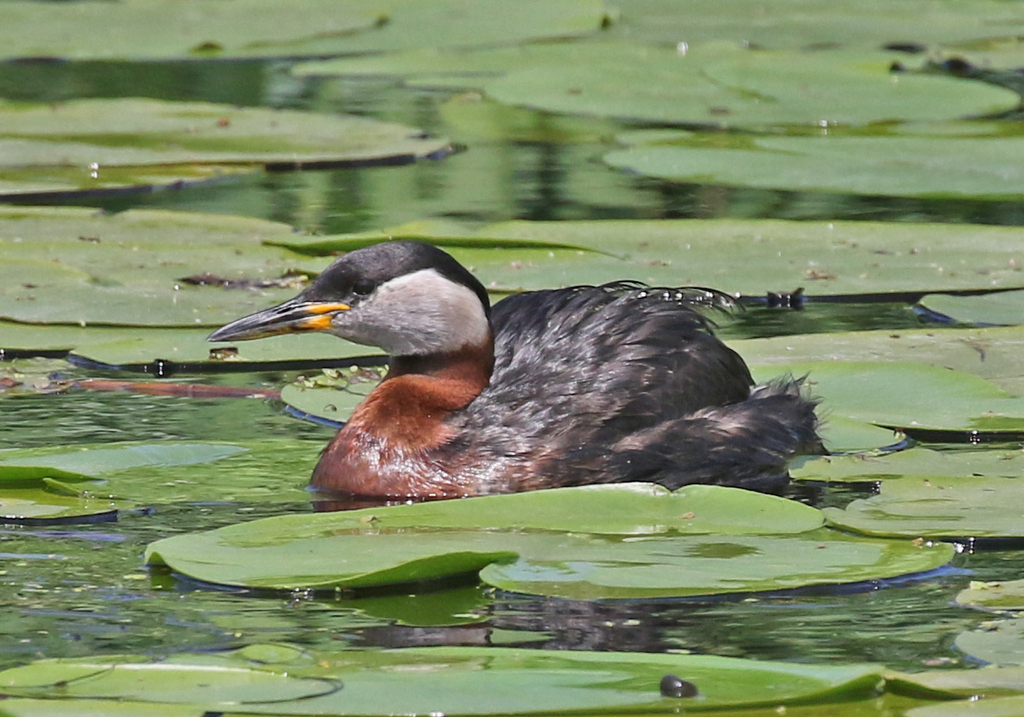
935 507
73 266
14 707
46 181
95 134
998 642
375 547
212 682
1004 308
908 395
867 23
452 680
996 597
729 86
54 501
979 167
155 29
996 354
998 707
274 470
945 684
675 567
844 435
916 461
825 257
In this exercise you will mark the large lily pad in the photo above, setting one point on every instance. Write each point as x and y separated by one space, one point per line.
273 470
996 354
945 684
729 86
152 29
1004 308
980 167
999 642
95 136
74 266
934 507
375 547
675 567
997 597
452 680
908 395
801 23
825 257
916 461
998 707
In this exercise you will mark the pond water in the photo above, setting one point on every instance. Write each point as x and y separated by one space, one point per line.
76 590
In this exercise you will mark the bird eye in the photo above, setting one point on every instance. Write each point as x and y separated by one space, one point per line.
363 287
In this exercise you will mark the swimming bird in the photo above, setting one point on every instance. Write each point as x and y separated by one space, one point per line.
560 387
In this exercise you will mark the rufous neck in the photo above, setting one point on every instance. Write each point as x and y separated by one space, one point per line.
470 366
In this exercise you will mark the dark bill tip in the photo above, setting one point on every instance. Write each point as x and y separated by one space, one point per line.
287 318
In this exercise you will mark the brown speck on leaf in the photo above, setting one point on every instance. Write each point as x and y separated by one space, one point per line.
719 111
914 250
574 91
1015 265
819 275
30 286
94 240
228 353
224 122
688 516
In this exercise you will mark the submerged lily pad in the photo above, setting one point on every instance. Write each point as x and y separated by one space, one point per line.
452 680
935 507
1004 308
979 167
997 597
908 395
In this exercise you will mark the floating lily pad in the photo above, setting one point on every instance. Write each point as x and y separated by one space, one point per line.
267 470
944 684
1003 309
844 435
452 680
998 707
999 642
96 134
675 567
996 354
801 23
934 507
734 87
38 182
997 597
212 682
15 707
74 266
979 167
908 395
381 547
916 461
825 257
154 29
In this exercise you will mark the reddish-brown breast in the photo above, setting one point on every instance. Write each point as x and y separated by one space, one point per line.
389 447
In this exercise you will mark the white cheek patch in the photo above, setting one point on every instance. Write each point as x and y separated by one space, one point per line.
416 314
